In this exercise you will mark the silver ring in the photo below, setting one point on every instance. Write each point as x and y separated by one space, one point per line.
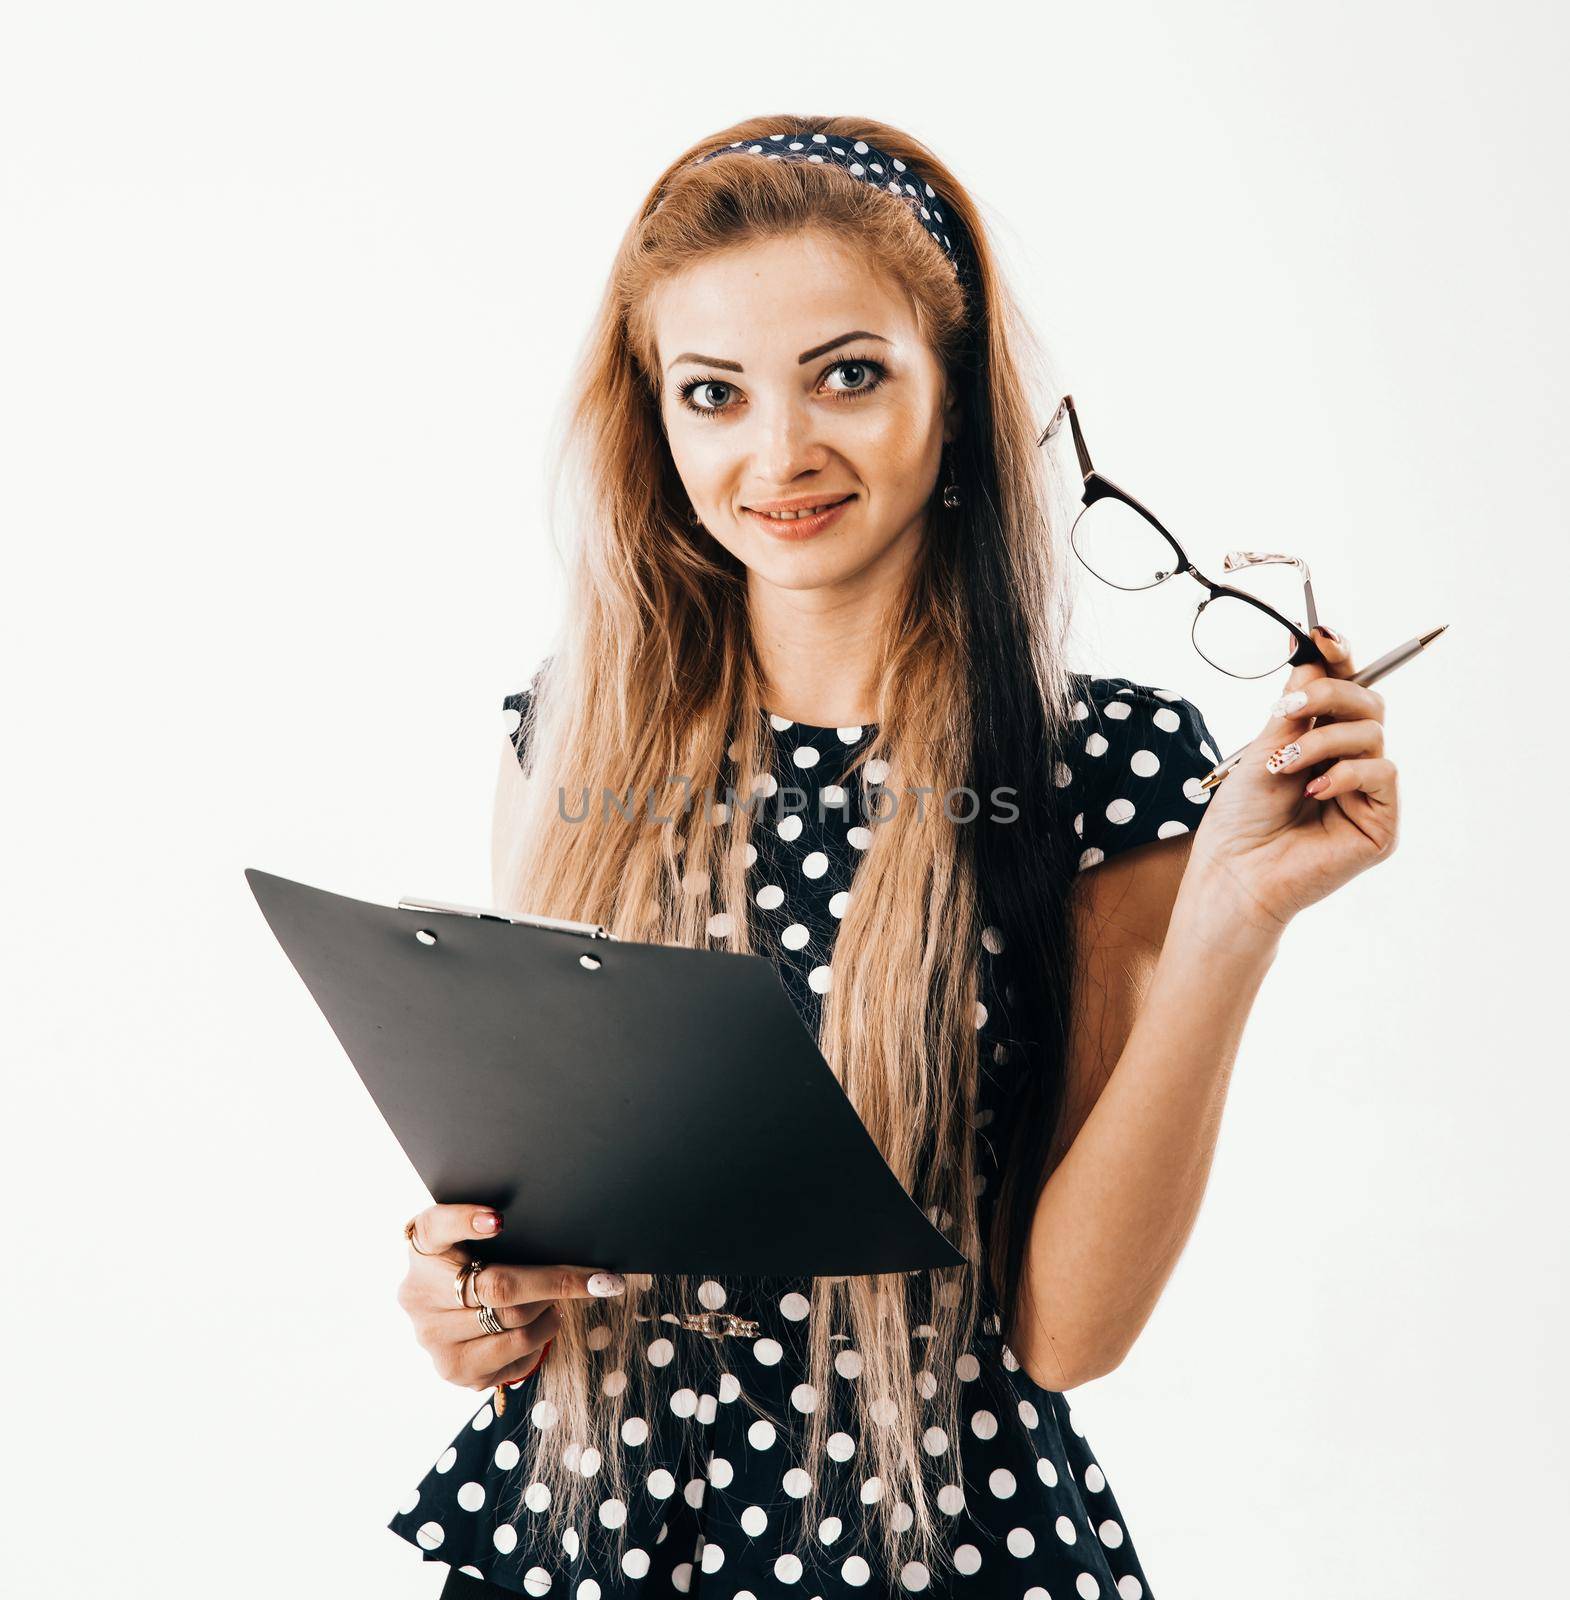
489 1320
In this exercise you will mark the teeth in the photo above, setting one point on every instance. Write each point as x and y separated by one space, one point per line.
796 516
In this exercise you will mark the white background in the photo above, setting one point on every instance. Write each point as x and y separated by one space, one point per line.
289 297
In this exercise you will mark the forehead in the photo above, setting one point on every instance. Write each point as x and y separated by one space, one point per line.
773 299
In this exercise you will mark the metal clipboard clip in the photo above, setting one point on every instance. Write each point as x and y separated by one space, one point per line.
589 930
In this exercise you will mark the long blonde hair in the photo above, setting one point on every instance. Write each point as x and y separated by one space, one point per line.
654 673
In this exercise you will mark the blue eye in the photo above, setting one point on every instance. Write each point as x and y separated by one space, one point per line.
875 372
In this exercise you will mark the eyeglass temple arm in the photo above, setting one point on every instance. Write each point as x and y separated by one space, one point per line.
1236 559
1066 404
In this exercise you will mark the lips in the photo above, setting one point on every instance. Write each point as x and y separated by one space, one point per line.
797 511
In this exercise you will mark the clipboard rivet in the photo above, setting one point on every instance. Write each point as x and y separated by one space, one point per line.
425 936
592 963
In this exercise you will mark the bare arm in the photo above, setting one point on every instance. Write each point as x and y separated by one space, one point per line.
1173 966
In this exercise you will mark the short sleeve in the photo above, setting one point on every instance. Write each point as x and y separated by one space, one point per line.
1134 760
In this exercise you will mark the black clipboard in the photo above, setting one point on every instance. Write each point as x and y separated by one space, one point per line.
636 1107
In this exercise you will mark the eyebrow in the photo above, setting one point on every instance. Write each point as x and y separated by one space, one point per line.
801 360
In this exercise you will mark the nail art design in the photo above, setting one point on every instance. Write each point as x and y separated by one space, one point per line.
1283 758
1288 703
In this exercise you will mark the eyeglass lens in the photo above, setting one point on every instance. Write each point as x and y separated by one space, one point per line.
1122 548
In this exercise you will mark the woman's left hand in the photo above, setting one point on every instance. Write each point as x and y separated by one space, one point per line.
1284 849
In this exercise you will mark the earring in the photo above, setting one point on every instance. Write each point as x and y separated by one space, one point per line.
951 494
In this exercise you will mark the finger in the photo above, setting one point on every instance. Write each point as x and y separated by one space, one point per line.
477 1361
459 1327
1327 742
1337 652
1376 777
439 1228
520 1370
431 1284
1332 698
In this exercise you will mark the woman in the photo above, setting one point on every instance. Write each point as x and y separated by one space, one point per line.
804 319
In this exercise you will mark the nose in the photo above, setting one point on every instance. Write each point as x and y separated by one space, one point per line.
786 446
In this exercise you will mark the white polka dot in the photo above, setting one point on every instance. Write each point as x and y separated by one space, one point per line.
1170 830
537 1496
719 925
1094 1479
1090 857
589 1462
752 853
769 897
543 1415
768 1351
934 1441
720 1471
569 1543
634 1431
660 1484
613 1513
1110 1534
1086 1586
708 1408
505 1538
761 1435
841 1447
848 1363
684 1402
1117 710
1021 1542
445 1460
805 756
967 1369
839 904
1001 1483
693 1493
833 797
1065 1529
635 1563
1130 1588
805 1398
926 1383
613 1383
819 979
815 865
681 1577
795 936
765 786
471 1496
1037 1593
753 1521
713 1558
1146 763
483 1418
914 1576
992 940
1046 1472
877 771
796 1483
859 838
983 1424
855 1571
951 1499
1080 711
872 1491
1028 1414
883 1411
661 1353
536 1581
981 1015
1192 789
599 1337
1011 1364
429 1535
830 1529
779 723
967 1559
795 1306
790 828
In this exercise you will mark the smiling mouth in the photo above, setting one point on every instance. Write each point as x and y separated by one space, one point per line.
803 513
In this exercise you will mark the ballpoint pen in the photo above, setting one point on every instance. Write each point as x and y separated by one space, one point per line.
1370 675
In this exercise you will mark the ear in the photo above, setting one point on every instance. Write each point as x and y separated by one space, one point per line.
953 418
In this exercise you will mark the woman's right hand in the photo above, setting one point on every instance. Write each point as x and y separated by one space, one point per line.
524 1299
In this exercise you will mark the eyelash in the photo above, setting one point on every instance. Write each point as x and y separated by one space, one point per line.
879 371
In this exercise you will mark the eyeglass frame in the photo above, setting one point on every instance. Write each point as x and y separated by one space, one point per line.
1098 487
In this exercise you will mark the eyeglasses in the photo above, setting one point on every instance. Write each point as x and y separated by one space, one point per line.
1124 545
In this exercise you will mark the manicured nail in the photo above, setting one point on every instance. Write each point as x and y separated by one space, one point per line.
1283 758
486 1222
1315 786
1288 703
1329 633
605 1284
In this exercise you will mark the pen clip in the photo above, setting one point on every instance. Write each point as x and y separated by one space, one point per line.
589 930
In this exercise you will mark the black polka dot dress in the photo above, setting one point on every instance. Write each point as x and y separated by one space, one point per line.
715 1490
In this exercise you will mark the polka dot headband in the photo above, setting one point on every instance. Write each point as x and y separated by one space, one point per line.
865 163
